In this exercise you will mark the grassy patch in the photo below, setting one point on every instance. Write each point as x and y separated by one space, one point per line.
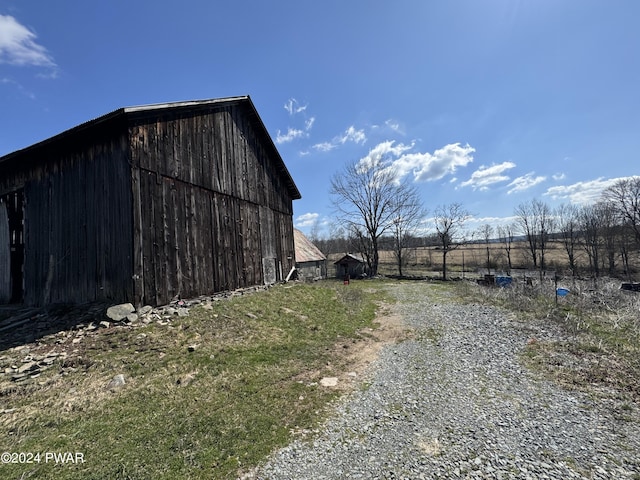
205 397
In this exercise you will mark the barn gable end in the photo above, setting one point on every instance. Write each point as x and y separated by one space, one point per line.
158 201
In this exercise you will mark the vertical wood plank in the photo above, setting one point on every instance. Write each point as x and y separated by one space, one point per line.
139 234
5 256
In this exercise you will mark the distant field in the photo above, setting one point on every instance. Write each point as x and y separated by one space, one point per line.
428 260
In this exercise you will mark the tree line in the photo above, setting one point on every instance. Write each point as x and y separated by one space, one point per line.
607 231
375 212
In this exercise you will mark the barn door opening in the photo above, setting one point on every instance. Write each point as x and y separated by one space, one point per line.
12 247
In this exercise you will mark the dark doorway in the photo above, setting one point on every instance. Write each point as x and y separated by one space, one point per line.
14 205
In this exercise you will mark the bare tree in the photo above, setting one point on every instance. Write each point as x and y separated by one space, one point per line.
449 221
537 222
604 237
485 232
568 221
367 198
526 221
404 227
625 196
506 235
610 233
591 224
336 241
626 245
314 233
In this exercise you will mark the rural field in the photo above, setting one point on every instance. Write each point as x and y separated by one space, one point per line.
242 386
427 261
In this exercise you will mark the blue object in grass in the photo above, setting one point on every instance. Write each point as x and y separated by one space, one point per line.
562 292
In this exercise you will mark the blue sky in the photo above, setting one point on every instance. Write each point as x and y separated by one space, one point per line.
488 103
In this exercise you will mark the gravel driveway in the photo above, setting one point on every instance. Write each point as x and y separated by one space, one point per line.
456 402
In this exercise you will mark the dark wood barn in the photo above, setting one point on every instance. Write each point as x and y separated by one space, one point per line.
145 204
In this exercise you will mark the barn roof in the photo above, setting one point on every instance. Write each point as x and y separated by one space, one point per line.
117 117
305 250
350 258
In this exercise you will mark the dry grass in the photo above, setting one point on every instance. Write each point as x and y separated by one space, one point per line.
598 332
427 261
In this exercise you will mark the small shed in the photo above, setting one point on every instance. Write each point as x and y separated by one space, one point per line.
311 263
146 204
351 264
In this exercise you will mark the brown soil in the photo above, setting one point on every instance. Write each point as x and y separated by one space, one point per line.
352 357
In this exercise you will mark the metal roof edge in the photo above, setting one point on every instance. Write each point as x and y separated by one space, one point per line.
183 104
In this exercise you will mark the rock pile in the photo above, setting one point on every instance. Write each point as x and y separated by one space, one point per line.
24 356
31 366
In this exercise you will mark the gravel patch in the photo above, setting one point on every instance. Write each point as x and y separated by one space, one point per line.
455 402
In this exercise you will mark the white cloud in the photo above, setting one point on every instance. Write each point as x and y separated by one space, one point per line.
325 146
433 166
385 152
475 222
423 166
389 125
394 125
292 106
525 182
485 176
492 220
388 148
353 135
291 134
308 124
581 193
307 219
558 176
18 46
350 135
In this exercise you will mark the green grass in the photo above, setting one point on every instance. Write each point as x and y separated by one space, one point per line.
248 383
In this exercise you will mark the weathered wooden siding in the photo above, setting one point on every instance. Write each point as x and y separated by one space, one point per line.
5 256
77 218
148 203
218 151
209 204
312 270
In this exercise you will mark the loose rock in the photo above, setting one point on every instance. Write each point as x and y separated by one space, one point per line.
116 382
329 381
118 313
